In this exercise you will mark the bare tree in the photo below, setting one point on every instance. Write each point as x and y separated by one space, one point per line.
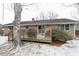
42 15
76 12
16 24
16 28
52 15
49 15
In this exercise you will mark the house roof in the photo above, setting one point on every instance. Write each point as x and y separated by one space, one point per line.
52 21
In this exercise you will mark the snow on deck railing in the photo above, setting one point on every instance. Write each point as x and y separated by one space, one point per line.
3 39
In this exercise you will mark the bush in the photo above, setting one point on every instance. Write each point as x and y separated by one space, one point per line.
32 33
77 32
1 32
58 35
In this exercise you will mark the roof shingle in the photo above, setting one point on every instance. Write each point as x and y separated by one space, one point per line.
53 21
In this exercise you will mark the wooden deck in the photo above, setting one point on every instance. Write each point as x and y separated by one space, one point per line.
36 40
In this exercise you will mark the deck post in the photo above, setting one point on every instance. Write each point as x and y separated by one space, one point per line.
64 27
74 30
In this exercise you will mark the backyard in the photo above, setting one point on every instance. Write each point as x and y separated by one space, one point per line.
54 35
71 48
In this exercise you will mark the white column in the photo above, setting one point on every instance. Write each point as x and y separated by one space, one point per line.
74 30
37 29
64 27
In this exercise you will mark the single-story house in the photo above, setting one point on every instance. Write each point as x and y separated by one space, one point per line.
41 27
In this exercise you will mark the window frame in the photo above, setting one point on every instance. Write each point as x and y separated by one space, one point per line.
41 30
67 28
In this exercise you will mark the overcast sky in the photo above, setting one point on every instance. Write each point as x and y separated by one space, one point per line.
33 10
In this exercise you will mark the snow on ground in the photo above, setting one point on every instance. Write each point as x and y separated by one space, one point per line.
3 39
71 48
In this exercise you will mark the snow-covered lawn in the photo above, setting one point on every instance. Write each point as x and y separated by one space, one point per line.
3 39
71 48
37 49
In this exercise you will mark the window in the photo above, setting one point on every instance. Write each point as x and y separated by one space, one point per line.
66 26
41 29
61 26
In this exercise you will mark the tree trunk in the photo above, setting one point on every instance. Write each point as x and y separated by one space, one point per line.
16 24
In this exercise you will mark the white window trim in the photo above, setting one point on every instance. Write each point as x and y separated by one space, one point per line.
65 27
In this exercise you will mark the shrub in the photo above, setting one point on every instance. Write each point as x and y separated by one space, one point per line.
58 35
77 32
32 33
1 32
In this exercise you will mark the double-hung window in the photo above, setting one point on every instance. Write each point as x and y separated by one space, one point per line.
66 26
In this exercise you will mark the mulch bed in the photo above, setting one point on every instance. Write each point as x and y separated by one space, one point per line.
54 43
57 43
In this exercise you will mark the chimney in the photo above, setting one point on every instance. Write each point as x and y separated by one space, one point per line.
33 19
